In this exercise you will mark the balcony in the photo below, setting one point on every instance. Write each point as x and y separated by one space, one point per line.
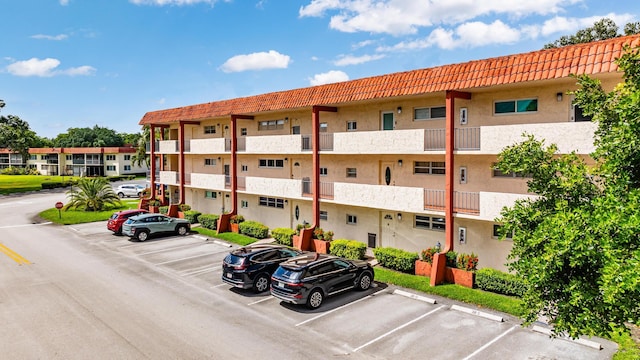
491 203
284 188
275 144
169 178
167 147
208 181
207 146
463 202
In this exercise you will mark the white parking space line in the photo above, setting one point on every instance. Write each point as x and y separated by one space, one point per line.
169 249
181 259
477 313
414 296
490 342
261 300
336 309
398 328
198 271
581 341
26 225
219 285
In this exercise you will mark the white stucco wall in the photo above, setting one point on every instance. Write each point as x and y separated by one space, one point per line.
396 198
169 177
491 203
207 181
379 142
275 144
207 146
285 188
168 146
567 135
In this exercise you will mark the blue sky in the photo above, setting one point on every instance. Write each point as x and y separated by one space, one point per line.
80 63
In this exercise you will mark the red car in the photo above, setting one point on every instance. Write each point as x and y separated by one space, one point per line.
118 218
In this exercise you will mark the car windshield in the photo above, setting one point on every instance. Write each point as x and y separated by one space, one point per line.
114 216
287 274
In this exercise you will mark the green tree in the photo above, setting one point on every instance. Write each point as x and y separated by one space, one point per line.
601 30
577 245
92 194
141 157
88 137
16 134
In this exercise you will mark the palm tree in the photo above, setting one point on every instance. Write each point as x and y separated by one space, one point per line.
92 194
141 156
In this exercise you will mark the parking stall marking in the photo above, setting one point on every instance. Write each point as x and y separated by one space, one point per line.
490 343
336 309
13 255
398 328
261 300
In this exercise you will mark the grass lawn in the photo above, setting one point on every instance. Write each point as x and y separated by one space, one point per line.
239 239
22 183
71 217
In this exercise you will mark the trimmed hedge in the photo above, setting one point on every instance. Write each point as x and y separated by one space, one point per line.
283 236
396 259
254 229
209 221
350 249
163 209
55 184
192 215
499 282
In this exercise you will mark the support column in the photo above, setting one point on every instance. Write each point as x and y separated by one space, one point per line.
438 269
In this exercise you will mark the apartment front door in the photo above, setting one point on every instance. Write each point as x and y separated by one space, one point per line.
387 121
388 229
386 173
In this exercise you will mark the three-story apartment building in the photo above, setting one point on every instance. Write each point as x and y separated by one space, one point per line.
400 160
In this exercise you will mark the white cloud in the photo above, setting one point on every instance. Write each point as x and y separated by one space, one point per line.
256 61
345 60
45 68
171 2
49 37
569 26
329 77
362 44
398 17
64 2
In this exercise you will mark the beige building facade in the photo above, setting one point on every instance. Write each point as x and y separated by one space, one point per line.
402 160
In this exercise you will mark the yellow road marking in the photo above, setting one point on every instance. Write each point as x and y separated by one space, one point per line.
13 255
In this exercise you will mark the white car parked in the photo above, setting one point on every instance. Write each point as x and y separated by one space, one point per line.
130 190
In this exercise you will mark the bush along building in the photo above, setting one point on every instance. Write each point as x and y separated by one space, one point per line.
402 160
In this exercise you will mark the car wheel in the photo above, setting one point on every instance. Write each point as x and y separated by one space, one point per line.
142 235
181 230
364 281
139 194
315 299
261 283
120 195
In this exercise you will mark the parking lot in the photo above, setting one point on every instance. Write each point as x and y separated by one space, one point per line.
383 322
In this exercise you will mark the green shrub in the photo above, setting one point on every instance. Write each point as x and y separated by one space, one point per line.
396 259
254 229
427 254
452 259
192 216
209 221
350 249
52 184
283 236
163 209
467 262
499 282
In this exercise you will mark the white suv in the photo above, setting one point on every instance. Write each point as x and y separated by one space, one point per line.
130 190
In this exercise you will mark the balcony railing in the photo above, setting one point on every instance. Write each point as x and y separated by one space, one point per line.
227 144
227 181
242 143
242 183
467 138
306 143
434 139
463 202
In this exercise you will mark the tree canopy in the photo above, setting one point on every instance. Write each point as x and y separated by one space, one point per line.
601 30
15 134
577 246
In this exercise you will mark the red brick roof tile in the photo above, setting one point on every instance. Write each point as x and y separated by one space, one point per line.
590 58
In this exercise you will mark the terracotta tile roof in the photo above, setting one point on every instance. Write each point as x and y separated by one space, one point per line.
590 58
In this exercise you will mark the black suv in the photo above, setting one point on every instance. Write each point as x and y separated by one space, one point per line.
251 266
308 279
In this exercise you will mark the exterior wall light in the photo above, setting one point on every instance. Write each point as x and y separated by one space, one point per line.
400 162
399 109
399 216
559 96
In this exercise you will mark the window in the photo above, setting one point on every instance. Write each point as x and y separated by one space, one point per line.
243 132
271 163
33 157
429 222
295 130
352 219
111 157
211 129
352 126
323 127
578 115
496 232
352 172
498 173
515 106
127 168
244 168
323 171
111 168
271 202
68 157
127 157
429 167
210 195
42 157
324 215
271 125
244 204
428 113
209 162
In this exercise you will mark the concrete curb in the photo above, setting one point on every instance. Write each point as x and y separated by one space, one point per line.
477 313
581 341
214 241
414 296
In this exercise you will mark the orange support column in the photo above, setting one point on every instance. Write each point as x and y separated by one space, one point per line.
439 260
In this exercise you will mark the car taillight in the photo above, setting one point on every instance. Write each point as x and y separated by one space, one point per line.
239 267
